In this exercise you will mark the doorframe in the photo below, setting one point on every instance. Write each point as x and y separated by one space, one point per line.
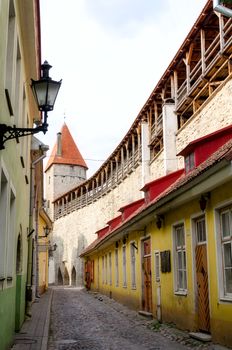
142 239
194 244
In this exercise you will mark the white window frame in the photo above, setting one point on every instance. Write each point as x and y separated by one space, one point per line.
116 268
221 241
179 250
106 269
11 236
133 265
124 275
157 265
103 269
4 219
110 268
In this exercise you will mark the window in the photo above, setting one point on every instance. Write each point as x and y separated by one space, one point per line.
133 269
3 220
189 162
103 270
124 266
110 269
157 266
11 53
180 259
11 233
226 249
116 267
200 230
106 268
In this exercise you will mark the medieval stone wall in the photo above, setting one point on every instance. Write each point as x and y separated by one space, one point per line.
214 115
73 232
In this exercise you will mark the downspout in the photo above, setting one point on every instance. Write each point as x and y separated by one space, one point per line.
30 248
221 9
36 231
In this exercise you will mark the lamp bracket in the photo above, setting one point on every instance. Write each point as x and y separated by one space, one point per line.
11 132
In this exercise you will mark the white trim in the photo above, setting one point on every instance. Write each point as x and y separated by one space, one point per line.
177 291
124 266
157 279
193 219
220 272
133 286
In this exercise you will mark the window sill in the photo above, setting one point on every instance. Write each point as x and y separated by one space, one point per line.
183 293
225 299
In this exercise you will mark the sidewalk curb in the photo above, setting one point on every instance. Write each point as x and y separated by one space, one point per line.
47 323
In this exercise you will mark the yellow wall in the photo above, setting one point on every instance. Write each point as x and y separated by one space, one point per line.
179 309
43 257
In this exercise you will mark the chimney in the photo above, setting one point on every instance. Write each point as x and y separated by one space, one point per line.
59 145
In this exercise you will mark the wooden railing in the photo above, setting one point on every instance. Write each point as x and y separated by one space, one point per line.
212 54
117 176
157 127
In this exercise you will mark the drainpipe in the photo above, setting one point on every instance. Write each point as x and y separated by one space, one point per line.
44 148
221 9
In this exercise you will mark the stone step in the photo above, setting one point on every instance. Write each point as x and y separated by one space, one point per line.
200 336
145 314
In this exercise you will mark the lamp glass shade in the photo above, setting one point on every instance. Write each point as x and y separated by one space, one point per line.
45 92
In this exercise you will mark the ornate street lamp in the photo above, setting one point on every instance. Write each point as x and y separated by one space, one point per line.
45 92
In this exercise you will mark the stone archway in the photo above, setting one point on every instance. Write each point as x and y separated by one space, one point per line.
66 277
60 278
74 277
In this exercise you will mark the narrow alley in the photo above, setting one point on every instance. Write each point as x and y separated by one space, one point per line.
90 321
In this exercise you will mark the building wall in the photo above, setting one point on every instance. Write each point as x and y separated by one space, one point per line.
176 307
73 232
214 114
16 43
80 225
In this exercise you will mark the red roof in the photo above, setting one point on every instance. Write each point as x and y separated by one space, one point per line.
224 152
70 154
204 146
154 188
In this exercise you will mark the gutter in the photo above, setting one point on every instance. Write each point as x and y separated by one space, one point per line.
221 9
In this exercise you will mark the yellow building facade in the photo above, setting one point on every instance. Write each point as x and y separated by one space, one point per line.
171 255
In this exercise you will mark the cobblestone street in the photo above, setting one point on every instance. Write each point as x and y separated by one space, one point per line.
89 321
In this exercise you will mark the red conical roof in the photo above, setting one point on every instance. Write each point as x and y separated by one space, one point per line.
70 154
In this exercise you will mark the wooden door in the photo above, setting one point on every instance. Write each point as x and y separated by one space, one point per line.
147 280
202 288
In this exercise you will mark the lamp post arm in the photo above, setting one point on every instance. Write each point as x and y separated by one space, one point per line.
11 132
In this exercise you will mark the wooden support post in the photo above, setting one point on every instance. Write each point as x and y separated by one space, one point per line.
175 82
122 161
156 114
221 31
112 173
202 51
133 150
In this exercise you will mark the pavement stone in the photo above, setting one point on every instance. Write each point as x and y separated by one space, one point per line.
91 321
34 332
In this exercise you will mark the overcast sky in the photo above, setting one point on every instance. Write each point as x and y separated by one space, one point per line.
110 54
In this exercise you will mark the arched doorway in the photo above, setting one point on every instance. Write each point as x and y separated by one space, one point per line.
74 276
66 277
60 278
